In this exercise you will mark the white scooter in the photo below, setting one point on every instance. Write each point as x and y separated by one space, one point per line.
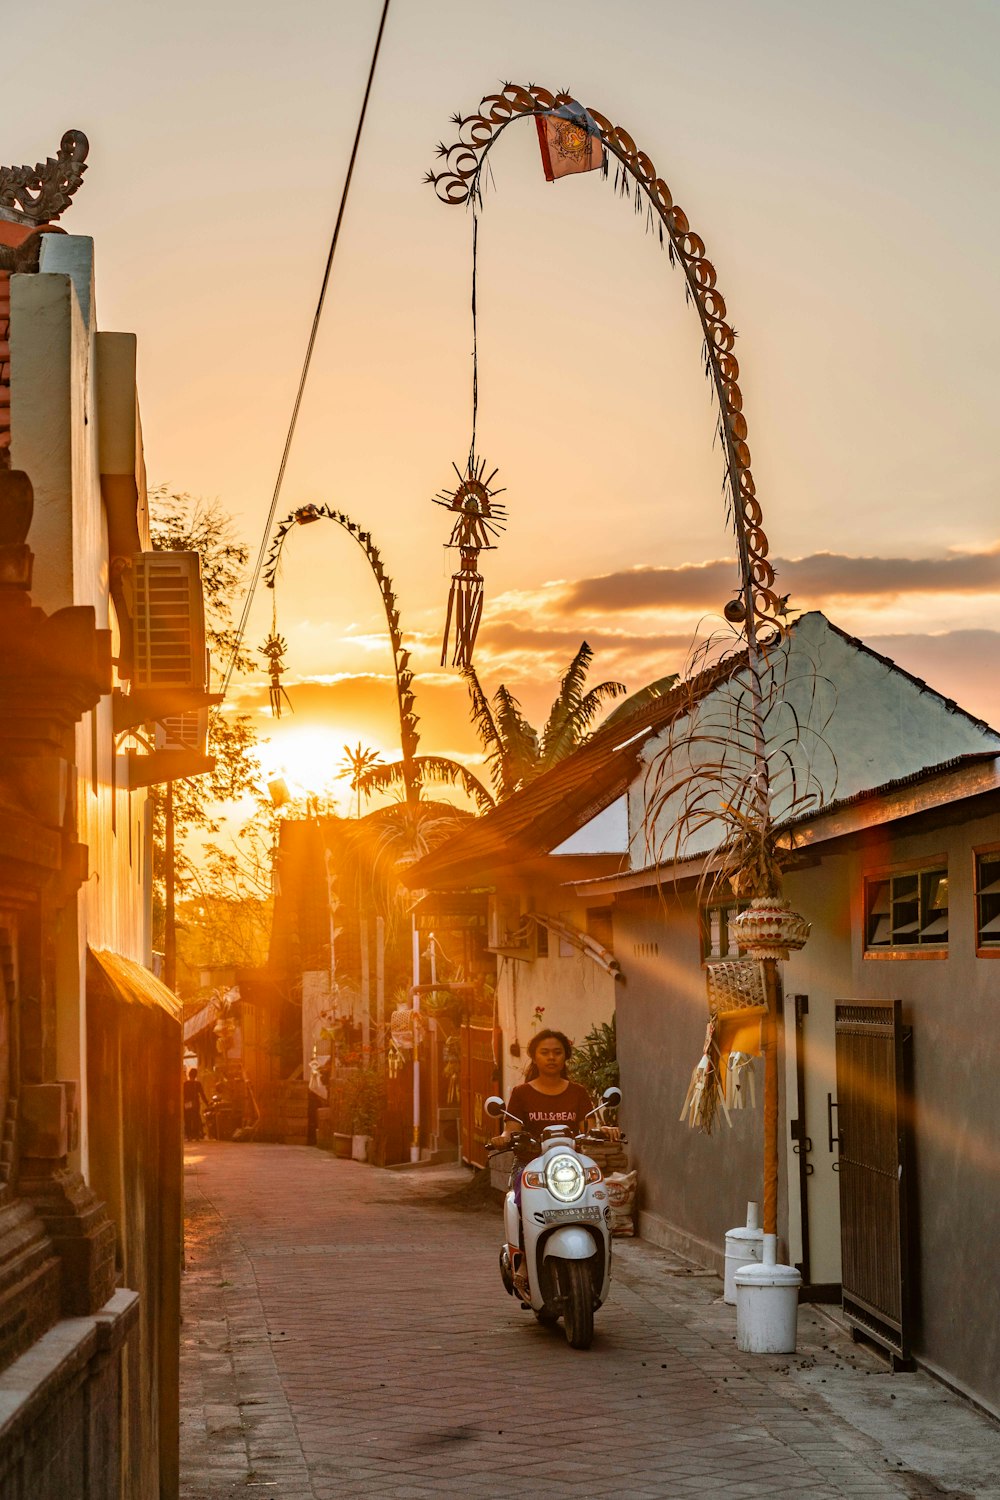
557 1256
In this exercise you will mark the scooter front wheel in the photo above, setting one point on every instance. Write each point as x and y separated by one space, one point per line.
578 1302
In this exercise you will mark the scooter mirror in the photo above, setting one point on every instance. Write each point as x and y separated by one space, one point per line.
611 1097
494 1107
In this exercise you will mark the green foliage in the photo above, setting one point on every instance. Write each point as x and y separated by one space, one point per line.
357 1100
594 1062
515 752
181 522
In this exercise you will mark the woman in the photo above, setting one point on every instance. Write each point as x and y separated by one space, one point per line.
548 1096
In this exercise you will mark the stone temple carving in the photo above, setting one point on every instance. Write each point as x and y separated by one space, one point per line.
39 194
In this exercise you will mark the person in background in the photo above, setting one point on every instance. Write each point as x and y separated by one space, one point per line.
194 1098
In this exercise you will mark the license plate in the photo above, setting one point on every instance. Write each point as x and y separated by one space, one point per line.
584 1215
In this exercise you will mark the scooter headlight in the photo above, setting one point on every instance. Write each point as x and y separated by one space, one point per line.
564 1178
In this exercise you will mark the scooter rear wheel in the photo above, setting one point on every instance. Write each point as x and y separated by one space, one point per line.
578 1302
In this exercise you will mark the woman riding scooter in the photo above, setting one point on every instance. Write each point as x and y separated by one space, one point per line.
548 1095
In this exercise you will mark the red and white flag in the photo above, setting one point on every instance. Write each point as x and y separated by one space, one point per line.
570 141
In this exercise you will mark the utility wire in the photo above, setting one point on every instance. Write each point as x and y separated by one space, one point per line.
241 630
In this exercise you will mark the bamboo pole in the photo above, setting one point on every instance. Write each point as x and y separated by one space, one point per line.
770 1051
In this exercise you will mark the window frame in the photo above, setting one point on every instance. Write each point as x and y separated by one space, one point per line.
885 874
991 950
733 906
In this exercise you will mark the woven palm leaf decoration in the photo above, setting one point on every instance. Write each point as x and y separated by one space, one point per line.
478 518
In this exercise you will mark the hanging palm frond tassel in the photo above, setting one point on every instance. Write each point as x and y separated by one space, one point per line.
479 518
273 650
705 1091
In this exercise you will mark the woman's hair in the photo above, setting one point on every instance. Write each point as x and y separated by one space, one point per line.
535 1043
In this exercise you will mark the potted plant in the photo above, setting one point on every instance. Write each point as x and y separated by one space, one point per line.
367 1105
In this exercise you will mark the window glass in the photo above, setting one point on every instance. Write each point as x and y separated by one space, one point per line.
988 899
907 910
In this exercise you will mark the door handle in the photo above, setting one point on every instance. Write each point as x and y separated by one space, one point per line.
831 1105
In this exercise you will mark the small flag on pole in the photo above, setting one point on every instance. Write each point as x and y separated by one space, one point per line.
570 141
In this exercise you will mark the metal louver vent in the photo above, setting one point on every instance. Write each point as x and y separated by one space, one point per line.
169 621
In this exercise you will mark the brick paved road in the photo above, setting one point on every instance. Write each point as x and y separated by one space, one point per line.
346 1334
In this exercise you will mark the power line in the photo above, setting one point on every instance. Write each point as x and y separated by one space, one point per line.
255 579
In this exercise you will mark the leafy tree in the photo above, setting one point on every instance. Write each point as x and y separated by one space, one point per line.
181 522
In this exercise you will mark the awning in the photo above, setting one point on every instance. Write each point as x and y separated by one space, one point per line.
126 980
201 1021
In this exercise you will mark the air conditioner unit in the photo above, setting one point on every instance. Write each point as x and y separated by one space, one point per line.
509 931
169 621
184 731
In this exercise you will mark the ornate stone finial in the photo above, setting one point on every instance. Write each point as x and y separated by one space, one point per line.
39 194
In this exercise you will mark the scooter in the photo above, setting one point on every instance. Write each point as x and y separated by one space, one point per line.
557 1256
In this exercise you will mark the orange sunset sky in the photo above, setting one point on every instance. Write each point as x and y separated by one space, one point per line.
840 163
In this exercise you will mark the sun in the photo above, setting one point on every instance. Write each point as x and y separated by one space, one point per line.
309 758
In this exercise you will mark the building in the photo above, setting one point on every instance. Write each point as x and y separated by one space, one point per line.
890 1135
102 681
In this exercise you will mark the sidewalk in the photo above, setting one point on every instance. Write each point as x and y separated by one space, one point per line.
346 1334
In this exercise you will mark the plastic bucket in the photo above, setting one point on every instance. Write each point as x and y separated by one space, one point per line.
767 1309
744 1246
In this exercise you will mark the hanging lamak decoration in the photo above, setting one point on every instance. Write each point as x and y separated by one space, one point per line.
273 650
479 517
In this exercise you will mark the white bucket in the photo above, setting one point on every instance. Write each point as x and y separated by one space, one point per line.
767 1305
744 1246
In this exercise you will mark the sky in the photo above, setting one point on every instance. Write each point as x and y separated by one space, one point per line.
838 161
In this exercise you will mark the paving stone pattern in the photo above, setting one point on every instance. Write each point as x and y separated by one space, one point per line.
346 1334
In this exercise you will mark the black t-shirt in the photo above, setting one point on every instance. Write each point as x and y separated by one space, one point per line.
538 1110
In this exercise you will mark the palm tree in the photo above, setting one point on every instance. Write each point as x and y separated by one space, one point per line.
439 769
515 752
357 764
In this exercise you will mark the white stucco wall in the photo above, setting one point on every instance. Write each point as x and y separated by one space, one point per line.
575 993
55 421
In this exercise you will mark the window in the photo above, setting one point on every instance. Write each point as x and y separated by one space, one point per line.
988 902
541 941
907 911
717 940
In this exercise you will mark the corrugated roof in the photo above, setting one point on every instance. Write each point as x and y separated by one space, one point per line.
130 982
886 788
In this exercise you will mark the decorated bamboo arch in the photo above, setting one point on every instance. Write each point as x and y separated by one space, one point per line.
756 609
458 181
408 736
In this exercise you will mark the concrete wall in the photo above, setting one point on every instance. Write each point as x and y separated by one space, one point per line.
692 1187
952 1005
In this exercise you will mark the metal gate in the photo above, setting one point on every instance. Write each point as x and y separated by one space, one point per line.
872 1137
478 1081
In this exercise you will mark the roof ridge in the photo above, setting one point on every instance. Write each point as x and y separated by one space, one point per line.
950 704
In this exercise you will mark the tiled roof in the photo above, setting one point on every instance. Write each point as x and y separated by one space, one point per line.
537 819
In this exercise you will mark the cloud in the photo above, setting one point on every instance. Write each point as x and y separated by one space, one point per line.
815 578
